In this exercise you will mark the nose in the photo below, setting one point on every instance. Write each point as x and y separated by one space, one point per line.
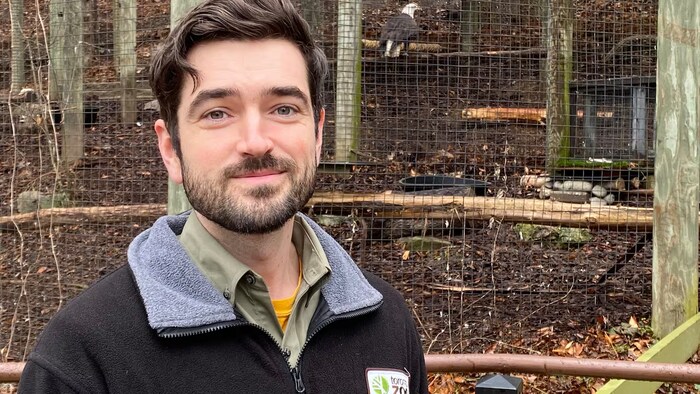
253 141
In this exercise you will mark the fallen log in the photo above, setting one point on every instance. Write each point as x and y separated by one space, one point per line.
82 215
385 205
402 205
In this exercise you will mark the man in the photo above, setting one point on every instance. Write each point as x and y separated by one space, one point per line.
243 294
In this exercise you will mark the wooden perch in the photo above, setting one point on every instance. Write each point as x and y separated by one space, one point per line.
516 52
501 114
538 115
458 208
414 46
386 205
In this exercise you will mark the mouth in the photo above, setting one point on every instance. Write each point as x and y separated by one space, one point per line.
258 174
260 177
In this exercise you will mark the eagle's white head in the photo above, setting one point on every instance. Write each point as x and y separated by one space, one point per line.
410 9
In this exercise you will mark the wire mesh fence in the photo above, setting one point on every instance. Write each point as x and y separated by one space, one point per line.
435 164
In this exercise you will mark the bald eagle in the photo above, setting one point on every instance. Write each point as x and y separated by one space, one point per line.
399 29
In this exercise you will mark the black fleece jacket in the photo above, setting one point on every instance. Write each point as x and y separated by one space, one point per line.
102 342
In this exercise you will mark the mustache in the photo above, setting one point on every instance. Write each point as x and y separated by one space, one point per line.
253 164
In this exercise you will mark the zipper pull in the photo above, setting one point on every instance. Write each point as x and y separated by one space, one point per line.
299 385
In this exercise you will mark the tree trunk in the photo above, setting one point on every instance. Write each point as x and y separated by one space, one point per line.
125 56
348 80
559 68
66 74
17 63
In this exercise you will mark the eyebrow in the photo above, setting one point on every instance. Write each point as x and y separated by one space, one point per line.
287 91
218 93
210 94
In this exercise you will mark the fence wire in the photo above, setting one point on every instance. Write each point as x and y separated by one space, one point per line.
457 170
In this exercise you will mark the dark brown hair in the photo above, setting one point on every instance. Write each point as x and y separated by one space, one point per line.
214 20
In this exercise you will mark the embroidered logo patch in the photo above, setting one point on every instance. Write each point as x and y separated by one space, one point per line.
387 381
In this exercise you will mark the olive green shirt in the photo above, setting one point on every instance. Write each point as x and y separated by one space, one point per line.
246 290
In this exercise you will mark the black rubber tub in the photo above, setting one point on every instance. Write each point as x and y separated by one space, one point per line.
436 182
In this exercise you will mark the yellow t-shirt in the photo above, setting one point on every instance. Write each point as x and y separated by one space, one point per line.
283 306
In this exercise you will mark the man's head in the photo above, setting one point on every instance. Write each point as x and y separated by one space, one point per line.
240 92
215 20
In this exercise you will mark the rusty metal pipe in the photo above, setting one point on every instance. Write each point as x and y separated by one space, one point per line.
552 365
509 363
10 372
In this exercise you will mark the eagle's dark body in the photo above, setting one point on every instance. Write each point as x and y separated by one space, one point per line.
399 29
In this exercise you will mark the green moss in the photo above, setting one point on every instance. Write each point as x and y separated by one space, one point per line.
580 163
423 244
562 237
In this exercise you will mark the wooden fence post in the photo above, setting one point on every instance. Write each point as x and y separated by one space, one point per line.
675 264
348 80
66 73
177 199
558 75
125 56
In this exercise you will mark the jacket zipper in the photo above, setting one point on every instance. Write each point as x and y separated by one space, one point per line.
186 332
296 371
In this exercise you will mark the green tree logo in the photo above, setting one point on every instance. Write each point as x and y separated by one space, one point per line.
380 385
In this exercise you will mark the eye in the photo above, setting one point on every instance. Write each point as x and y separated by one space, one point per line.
285 110
215 115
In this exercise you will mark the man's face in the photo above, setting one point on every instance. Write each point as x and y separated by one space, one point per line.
249 150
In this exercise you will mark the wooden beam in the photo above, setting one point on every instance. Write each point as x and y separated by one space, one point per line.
675 262
388 206
677 347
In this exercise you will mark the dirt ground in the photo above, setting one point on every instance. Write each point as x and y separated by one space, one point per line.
488 291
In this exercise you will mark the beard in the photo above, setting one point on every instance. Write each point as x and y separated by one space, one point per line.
258 210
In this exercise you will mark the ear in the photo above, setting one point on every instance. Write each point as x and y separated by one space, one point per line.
319 134
167 152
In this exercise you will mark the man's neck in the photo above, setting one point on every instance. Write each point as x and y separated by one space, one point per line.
273 255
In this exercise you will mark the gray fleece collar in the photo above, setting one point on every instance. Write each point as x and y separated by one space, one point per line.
177 295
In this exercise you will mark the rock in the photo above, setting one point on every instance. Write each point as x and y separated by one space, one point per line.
415 244
33 200
151 106
610 198
597 201
534 180
331 220
558 185
545 192
599 191
580 186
